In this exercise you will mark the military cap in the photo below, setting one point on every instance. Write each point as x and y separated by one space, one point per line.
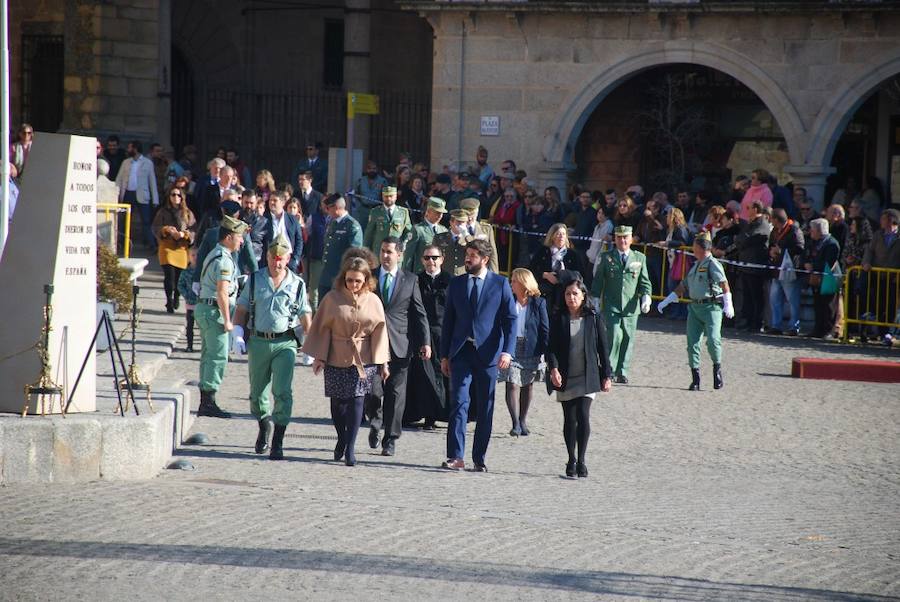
233 225
231 208
388 190
703 239
436 204
459 214
623 231
279 246
469 204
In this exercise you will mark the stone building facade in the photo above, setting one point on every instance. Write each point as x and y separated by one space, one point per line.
544 68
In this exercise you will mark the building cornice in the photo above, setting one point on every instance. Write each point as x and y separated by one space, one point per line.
652 6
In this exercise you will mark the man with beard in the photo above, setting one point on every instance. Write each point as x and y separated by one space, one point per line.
137 187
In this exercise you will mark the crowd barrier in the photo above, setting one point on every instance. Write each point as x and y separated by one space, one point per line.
870 299
112 234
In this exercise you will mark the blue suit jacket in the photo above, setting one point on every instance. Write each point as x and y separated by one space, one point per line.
494 319
537 327
294 235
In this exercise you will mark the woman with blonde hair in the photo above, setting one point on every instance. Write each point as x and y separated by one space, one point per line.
677 235
265 185
349 341
553 264
532 333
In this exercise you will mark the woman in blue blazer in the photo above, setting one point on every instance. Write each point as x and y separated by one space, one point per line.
532 332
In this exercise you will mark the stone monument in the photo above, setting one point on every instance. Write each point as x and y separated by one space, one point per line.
52 240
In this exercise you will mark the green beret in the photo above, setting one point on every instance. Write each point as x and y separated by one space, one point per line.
388 190
459 214
623 231
436 204
233 225
280 246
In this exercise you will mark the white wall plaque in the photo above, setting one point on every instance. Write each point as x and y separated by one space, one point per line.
490 125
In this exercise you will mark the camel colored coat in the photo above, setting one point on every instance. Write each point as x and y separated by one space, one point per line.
348 332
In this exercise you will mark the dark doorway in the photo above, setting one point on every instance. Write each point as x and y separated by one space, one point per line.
42 81
183 132
333 53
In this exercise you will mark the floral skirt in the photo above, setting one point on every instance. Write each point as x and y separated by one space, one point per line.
522 371
345 383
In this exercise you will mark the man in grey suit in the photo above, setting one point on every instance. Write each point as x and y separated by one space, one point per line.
407 326
137 186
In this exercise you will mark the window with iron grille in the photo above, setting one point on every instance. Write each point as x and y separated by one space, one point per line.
42 81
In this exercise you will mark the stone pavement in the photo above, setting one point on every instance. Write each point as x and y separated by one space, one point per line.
770 489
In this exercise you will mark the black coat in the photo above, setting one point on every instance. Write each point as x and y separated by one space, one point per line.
596 350
404 314
574 261
427 388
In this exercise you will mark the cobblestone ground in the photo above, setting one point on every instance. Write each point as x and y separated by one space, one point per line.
771 489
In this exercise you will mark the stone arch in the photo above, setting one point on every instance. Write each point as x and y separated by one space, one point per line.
567 126
843 103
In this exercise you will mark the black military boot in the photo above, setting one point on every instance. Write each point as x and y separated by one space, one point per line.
695 380
277 452
265 434
718 383
208 406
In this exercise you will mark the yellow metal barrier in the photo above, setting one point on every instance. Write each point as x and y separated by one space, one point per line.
870 298
117 207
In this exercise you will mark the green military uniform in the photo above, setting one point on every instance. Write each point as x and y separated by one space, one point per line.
423 234
271 345
704 312
454 251
219 265
481 229
620 287
340 235
381 226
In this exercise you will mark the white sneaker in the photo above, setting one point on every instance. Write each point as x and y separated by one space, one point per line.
305 360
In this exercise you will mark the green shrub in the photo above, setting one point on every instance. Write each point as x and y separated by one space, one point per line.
112 280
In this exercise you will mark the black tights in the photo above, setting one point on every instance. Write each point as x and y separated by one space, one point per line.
346 414
170 282
577 426
518 400
189 327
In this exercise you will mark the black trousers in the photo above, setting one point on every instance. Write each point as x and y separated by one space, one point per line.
189 327
754 293
170 282
388 414
824 316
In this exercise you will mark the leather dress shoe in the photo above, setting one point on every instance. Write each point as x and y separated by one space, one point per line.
388 449
480 468
454 464
570 469
581 469
621 379
373 437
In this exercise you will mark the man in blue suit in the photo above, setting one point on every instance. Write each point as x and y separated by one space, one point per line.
282 222
476 338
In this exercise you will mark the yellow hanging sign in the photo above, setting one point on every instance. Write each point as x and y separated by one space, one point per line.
362 104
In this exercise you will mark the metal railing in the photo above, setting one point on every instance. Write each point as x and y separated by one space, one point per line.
107 208
870 298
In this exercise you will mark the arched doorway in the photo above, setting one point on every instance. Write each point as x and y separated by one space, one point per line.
183 99
678 125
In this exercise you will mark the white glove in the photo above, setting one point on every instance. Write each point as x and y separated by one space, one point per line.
645 304
671 298
729 306
237 343
195 286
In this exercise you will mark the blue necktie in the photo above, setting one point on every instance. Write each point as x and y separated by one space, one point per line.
473 303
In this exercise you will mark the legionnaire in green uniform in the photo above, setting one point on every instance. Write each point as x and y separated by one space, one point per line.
481 229
623 286
218 289
387 220
423 233
705 282
270 306
342 233
453 243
